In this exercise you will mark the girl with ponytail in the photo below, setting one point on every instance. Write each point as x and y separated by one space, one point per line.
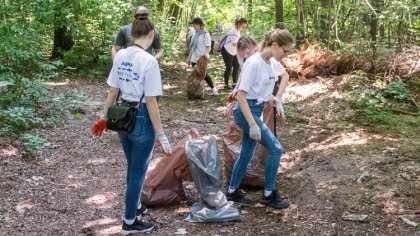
135 73
258 77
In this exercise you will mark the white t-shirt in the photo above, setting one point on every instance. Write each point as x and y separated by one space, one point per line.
258 78
191 32
199 50
233 37
135 72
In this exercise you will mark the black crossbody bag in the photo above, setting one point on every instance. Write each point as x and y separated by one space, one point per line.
121 117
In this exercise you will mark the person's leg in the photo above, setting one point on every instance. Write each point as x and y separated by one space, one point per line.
235 72
212 47
228 59
126 144
209 81
247 145
247 151
142 138
275 150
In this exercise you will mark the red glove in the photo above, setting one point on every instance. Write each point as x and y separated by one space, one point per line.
232 95
99 127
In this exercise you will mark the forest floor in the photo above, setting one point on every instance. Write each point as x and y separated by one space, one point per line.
334 164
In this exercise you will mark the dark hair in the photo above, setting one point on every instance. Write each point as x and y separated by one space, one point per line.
246 42
141 25
281 37
240 21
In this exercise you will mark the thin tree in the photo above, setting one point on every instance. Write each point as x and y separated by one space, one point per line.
279 14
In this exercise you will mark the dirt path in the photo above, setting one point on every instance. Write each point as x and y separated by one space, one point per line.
333 166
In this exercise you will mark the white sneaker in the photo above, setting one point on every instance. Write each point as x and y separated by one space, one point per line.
215 92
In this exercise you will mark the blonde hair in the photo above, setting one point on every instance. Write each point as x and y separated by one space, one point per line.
281 37
246 42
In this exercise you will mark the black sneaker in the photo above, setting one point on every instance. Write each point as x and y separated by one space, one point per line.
136 227
142 211
275 201
237 196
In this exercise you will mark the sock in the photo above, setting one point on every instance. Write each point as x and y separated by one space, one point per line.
231 190
267 193
129 222
139 205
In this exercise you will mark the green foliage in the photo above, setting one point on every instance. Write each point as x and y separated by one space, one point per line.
32 142
288 111
397 91
376 103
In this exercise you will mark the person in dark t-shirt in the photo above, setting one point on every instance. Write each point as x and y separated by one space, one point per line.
123 39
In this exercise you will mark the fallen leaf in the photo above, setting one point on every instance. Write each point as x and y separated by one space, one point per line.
259 205
181 231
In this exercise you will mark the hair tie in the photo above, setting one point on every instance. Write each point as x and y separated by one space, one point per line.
142 16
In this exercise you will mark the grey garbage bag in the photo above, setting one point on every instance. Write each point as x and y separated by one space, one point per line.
200 212
204 161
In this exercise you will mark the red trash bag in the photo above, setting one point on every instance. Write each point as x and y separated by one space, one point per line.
195 81
163 182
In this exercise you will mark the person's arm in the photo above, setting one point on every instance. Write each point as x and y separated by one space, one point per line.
156 45
153 109
189 58
120 40
114 50
283 83
208 49
243 104
159 53
207 41
100 125
110 100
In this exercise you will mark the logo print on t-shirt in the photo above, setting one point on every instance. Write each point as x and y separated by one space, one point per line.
124 72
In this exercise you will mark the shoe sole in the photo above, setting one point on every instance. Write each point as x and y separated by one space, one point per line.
127 232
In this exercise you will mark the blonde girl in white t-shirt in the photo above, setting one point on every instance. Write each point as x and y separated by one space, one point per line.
135 73
258 77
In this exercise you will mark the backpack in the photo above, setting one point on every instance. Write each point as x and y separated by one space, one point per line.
223 42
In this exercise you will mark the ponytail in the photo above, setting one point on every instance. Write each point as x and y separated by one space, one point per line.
246 42
281 37
141 25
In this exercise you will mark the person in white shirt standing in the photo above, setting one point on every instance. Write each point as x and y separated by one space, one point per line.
258 77
136 74
200 45
229 51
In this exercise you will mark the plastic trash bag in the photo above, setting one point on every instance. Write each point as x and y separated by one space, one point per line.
163 183
204 161
195 81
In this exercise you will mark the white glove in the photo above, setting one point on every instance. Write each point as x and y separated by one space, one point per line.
279 109
164 143
255 132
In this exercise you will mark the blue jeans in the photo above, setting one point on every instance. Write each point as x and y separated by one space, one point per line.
248 145
138 146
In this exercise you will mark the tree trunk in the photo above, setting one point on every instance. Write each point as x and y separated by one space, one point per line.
161 5
279 14
249 13
63 41
325 22
4 13
377 5
300 31
63 38
175 11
